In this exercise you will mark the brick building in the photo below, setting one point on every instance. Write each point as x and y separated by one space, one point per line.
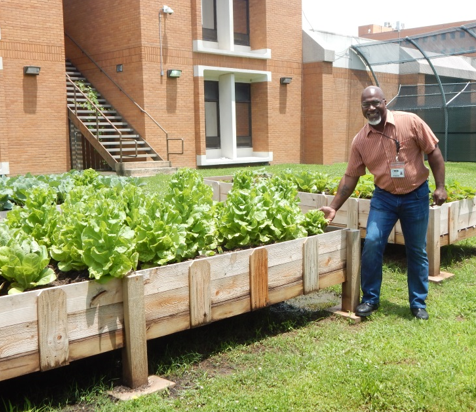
253 88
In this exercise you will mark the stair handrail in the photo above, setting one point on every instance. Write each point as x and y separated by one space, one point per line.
98 110
117 85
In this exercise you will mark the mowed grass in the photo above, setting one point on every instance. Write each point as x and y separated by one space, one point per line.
298 357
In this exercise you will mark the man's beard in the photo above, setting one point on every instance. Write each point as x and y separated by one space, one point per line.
375 121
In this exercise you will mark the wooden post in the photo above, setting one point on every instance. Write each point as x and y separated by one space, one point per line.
351 286
433 241
433 244
134 353
453 217
53 342
259 279
200 293
352 213
310 264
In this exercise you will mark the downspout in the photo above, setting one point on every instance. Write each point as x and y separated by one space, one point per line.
443 96
366 62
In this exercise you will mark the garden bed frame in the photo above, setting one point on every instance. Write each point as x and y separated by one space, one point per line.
448 223
49 328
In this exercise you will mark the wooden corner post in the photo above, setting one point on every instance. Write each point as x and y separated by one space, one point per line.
134 354
351 286
259 279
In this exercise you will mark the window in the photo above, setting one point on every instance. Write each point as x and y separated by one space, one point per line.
241 22
212 115
243 114
209 20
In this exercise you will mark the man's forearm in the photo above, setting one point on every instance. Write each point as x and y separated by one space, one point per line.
346 187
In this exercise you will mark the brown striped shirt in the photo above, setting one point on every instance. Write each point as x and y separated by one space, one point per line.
376 151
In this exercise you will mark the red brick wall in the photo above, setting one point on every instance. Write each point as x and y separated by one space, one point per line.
34 135
331 109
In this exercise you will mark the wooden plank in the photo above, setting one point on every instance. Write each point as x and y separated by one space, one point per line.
332 278
215 188
351 286
94 345
364 210
453 222
353 213
286 292
17 366
310 265
444 222
259 279
433 241
134 354
200 295
53 341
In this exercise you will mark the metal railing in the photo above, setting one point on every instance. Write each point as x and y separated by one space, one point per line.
127 95
98 111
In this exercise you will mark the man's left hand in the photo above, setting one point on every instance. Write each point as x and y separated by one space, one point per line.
439 196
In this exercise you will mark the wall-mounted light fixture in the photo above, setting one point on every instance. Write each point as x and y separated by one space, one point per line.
167 11
174 73
31 70
285 80
119 68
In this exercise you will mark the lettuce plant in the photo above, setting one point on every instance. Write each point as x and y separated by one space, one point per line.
23 262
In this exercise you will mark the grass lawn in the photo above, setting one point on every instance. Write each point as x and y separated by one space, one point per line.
295 356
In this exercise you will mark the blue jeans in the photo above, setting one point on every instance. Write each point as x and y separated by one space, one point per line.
413 210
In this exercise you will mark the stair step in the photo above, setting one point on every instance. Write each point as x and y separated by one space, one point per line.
147 164
120 125
116 137
149 172
125 143
87 111
143 150
111 130
140 156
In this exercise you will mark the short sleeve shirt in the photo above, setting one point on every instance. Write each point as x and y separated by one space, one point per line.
376 151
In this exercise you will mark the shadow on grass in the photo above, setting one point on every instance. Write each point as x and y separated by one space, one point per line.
83 383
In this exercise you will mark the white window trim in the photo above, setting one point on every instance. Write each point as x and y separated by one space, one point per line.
214 157
203 46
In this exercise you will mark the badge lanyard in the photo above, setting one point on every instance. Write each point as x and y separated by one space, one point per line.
397 168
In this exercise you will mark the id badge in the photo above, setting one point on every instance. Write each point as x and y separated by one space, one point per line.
397 169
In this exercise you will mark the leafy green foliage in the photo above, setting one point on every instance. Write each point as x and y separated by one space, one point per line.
38 217
266 212
365 187
456 191
23 262
92 233
307 181
314 222
160 234
15 190
193 200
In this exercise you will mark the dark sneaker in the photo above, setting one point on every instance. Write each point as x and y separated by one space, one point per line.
366 309
420 313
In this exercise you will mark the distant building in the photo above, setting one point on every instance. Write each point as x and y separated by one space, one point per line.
197 83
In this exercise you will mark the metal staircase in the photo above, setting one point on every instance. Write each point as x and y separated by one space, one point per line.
118 144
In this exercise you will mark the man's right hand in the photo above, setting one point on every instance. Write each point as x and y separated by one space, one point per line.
329 213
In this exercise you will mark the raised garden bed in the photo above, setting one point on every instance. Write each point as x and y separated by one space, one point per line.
448 223
48 328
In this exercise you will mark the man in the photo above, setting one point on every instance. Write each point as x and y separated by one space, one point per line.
392 147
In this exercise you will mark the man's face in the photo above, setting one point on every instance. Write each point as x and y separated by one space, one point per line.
374 107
